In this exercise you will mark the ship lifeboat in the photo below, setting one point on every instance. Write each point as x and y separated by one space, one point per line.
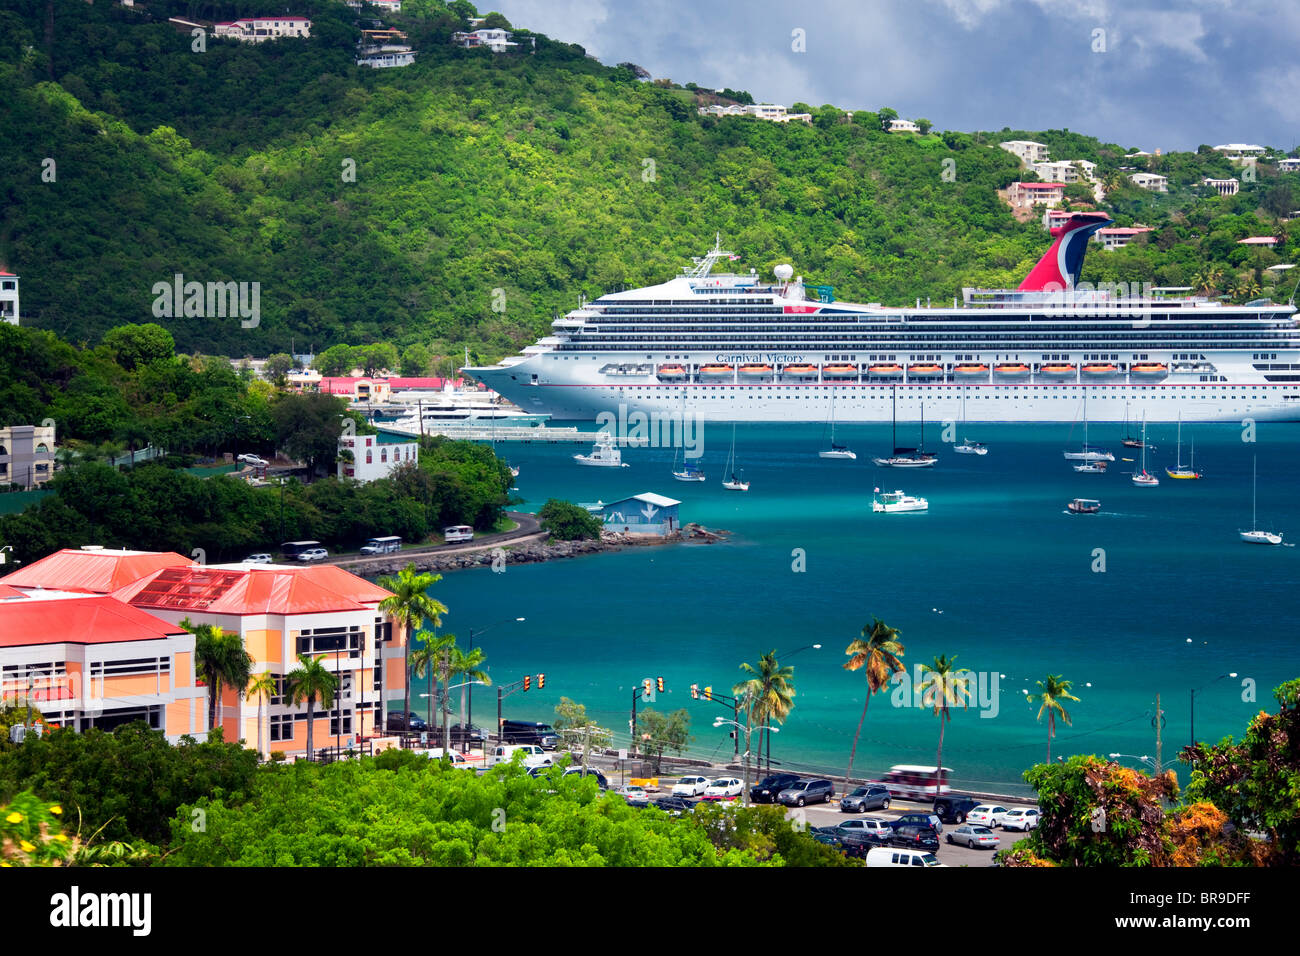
716 372
673 373
755 371
1056 370
885 371
1149 371
800 371
1011 370
925 371
1099 369
971 370
840 371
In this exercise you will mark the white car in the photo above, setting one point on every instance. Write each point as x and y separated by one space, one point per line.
690 786
1021 818
534 756
724 788
987 814
254 460
314 554
458 759
258 559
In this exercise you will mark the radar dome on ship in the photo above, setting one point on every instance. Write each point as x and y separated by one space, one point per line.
784 271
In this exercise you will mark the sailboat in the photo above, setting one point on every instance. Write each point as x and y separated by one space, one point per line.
1179 471
1129 440
907 457
1088 453
687 472
1256 536
731 482
1144 480
836 451
968 447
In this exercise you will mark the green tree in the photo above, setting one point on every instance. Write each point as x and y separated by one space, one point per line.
408 607
568 522
278 367
133 346
769 692
1051 693
465 666
925 126
429 660
886 116
221 659
660 732
416 361
878 653
577 730
336 360
263 686
309 682
942 687
308 427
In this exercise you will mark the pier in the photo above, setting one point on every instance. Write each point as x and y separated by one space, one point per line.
545 434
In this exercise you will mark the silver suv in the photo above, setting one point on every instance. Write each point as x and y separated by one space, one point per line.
314 554
807 791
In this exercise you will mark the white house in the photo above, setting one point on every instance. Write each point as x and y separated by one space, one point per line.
372 458
1066 170
771 112
259 29
383 60
903 126
1027 150
1288 165
495 39
27 455
1150 181
1035 194
1239 150
8 298
1224 187
392 6
1118 237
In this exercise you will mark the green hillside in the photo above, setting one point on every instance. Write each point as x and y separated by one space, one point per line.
492 190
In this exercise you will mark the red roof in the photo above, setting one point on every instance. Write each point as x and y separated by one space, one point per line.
96 572
1258 241
84 619
7 592
428 382
9 274
1123 231
254 590
1042 185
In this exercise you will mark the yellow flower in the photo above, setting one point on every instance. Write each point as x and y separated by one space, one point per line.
14 817
61 838
27 847
56 809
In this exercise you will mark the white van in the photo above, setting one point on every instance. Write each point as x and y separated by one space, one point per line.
534 756
458 532
386 545
894 856
457 758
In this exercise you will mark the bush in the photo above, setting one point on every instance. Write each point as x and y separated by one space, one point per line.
567 522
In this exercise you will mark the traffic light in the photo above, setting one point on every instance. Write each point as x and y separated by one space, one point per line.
647 687
708 693
541 681
695 692
528 681
660 682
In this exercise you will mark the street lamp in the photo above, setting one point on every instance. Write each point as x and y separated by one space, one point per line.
744 781
465 729
1192 713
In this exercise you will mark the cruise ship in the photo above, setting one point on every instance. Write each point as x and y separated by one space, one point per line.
732 347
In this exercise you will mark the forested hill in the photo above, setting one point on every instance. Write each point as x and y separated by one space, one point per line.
543 175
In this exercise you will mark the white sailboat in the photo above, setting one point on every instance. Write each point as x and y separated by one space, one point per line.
907 457
836 451
1088 453
1256 536
732 482
1179 471
1142 479
687 472
968 447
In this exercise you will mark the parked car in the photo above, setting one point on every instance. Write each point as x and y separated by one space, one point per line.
411 721
675 806
806 791
1021 818
866 830
989 814
634 796
974 835
253 460
692 786
766 790
534 755
258 559
915 837
458 759
953 809
930 820
601 782
529 732
462 736
724 788
314 554
888 856
872 796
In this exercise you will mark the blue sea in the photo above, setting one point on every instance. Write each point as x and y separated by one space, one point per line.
1154 596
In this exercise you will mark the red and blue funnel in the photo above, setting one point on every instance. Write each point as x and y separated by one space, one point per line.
1059 269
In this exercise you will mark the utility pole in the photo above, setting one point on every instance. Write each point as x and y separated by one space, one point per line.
1160 719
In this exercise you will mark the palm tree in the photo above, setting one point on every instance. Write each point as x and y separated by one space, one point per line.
878 651
410 606
220 658
1207 280
771 691
263 685
469 665
943 688
308 681
1050 694
427 660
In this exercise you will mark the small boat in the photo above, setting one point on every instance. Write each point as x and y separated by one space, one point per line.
1084 506
1091 467
755 371
604 454
1256 536
971 370
733 483
968 447
885 371
1149 371
840 452
800 371
839 371
1010 370
1100 369
1179 471
715 372
894 502
673 373
689 473
1129 440
925 370
1056 370
1142 479
1088 453
907 457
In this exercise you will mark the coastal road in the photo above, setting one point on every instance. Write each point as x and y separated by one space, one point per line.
528 530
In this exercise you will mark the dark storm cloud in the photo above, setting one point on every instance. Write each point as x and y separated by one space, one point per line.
1159 74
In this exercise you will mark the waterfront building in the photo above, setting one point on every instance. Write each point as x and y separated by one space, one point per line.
1152 181
646 513
27 455
392 6
1026 150
374 458
9 298
260 29
92 569
1224 187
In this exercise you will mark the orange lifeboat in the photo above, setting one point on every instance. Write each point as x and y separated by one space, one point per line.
840 371
1100 368
671 371
800 371
755 371
971 369
1056 369
1149 370
925 371
1011 369
885 370
716 371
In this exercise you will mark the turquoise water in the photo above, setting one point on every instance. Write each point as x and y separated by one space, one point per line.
996 573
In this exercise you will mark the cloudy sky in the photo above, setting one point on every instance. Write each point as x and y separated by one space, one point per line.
1168 74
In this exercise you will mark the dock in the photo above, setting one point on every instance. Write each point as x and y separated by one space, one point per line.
467 431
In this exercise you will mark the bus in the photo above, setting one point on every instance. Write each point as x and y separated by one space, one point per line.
458 532
291 549
384 545
912 782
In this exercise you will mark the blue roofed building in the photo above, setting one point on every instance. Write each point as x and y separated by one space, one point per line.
646 513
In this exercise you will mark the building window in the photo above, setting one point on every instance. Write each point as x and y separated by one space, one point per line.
282 727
